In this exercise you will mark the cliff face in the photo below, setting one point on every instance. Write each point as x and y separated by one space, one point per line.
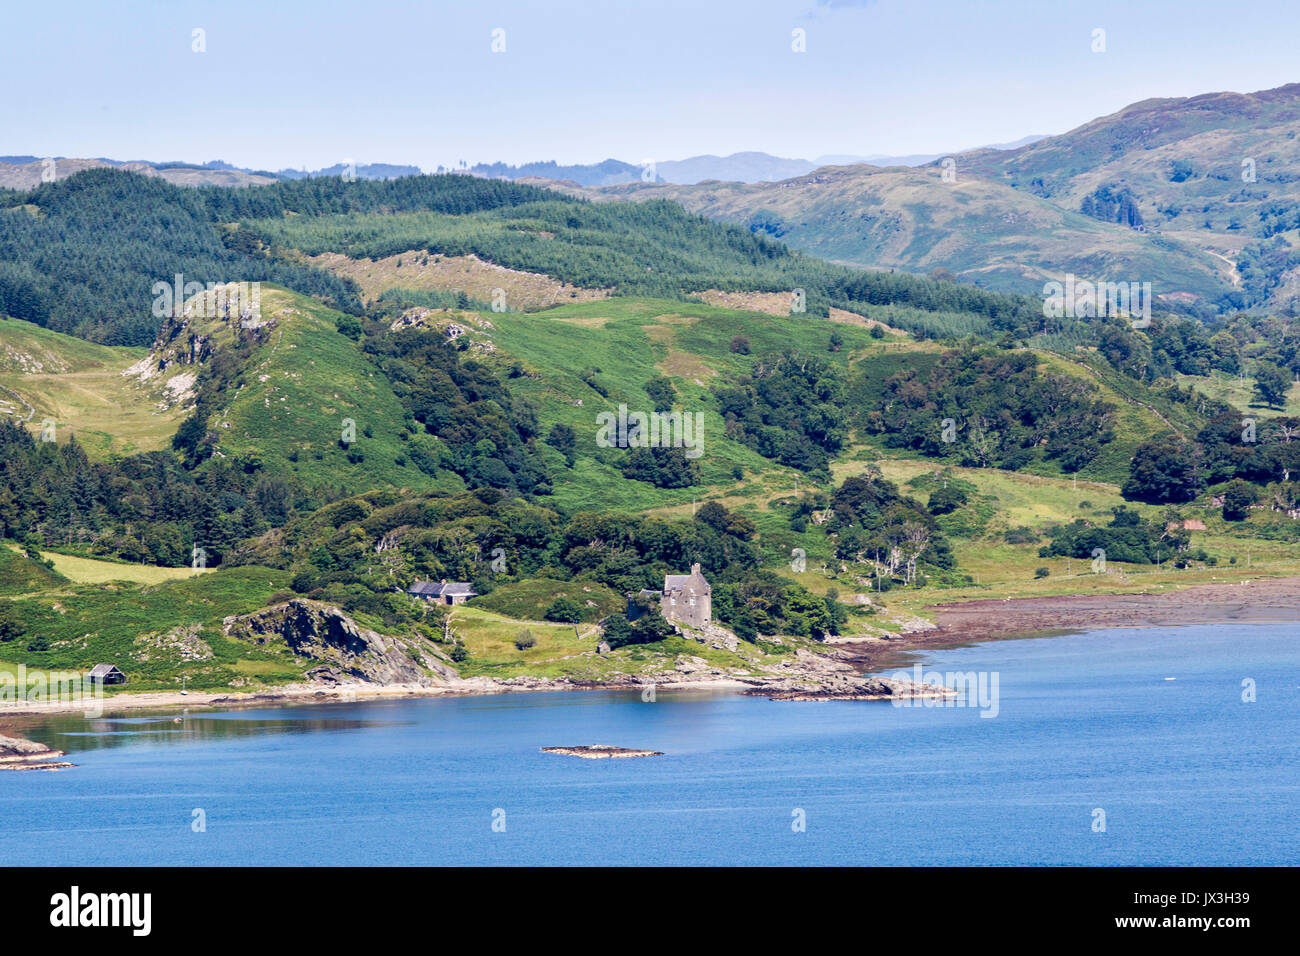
345 650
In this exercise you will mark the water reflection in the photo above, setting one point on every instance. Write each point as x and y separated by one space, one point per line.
75 733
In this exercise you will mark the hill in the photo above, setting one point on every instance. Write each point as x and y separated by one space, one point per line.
979 230
82 388
1217 171
30 172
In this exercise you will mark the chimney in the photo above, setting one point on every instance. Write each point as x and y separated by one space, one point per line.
695 568
444 580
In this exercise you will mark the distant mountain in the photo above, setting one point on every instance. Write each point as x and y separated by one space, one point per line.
28 172
361 171
1217 163
747 167
736 168
1200 196
607 173
977 230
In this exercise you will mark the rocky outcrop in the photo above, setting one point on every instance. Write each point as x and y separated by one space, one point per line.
600 751
857 688
181 643
19 754
345 650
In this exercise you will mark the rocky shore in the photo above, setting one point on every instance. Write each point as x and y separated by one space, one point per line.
19 754
1240 602
845 670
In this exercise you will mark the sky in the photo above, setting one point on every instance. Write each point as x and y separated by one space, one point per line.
289 83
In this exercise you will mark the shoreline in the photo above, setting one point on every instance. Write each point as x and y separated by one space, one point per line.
1275 600
1269 600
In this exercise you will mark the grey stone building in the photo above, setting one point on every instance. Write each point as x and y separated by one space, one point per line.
687 598
454 592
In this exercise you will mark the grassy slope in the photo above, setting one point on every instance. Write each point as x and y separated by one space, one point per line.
91 624
978 228
19 574
300 387
528 600
94 571
1241 394
80 386
631 341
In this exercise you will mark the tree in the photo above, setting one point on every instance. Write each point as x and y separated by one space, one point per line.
740 345
1272 382
946 499
1238 496
565 610
564 440
10 625
661 392
1165 470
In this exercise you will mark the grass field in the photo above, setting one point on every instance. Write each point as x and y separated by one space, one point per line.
134 626
94 571
79 386
1240 394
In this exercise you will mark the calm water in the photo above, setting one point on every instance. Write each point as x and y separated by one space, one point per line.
1186 772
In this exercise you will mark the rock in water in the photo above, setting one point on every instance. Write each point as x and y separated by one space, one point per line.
19 754
598 751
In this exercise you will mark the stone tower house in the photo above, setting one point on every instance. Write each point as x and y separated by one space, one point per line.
687 598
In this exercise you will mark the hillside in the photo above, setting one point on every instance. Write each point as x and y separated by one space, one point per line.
82 388
1195 195
428 394
978 230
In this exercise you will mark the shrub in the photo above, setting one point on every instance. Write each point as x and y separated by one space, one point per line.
565 610
525 640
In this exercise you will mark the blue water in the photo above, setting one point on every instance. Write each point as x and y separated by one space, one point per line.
1186 772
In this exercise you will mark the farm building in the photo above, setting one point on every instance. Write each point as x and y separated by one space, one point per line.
444 592
106 674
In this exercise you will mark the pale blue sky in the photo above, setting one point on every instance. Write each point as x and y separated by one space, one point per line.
288 83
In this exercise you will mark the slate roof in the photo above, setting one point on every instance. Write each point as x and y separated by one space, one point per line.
433 589
103 670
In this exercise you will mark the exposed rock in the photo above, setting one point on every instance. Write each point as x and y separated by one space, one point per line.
854 688
180 643
599 751
710 633
19 754
346 650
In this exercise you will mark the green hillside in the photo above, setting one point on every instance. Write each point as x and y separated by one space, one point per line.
289 408
974 228
80 386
